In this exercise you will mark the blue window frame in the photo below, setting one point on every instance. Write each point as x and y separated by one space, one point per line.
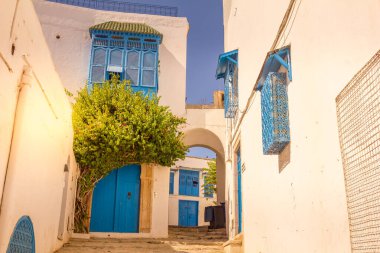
171 183
207 189
227 68
130 56
274 101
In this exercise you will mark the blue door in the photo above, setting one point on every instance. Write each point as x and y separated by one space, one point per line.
187 213
116 201
239 190
189 183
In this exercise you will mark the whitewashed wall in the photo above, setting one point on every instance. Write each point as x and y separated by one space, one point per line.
71 52
190 163
42 139
303 208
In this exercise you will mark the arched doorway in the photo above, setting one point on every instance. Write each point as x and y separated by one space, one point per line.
202 137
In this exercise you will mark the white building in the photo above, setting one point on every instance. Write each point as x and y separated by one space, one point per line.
294 200
148 50
37 166
187 198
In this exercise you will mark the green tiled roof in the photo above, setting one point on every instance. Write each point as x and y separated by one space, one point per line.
126 27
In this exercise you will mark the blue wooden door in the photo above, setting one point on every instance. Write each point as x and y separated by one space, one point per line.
187 213
189 183
240 209
116 201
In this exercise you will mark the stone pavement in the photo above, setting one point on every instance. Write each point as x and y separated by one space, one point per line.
183 240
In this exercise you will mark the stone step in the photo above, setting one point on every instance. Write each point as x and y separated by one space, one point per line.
189 229
197 233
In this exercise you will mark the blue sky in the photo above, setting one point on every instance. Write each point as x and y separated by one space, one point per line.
205 43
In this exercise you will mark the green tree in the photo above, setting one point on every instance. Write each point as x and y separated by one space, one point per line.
209 185
113 127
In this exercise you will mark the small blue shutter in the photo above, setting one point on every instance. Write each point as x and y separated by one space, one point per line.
171 184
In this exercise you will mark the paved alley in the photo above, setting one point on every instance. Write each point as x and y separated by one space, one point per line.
185 240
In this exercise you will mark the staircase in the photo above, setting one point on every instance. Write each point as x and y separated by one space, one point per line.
195 234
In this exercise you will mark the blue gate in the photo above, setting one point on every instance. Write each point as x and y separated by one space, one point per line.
22 239
116 201
189 183
187 213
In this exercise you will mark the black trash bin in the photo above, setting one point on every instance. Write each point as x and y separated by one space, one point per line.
216 215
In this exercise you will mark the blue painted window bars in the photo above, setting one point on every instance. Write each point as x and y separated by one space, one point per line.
274 101
228 69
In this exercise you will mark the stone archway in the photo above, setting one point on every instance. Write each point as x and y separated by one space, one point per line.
206 128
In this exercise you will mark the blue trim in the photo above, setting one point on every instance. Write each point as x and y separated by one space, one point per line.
221 68
240 203
22 239
171 183
274 61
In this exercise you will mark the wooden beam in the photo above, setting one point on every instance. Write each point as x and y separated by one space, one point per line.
146 198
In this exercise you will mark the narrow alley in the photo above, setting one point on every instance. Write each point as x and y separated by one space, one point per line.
189 240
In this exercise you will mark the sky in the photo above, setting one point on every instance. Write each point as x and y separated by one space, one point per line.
205 43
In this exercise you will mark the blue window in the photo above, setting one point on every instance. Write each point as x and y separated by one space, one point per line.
228 69
127 50
189 183
208 189
274 101
171 183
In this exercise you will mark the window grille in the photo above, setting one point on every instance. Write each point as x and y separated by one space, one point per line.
129 50
22 239
274 114
358 112
228 69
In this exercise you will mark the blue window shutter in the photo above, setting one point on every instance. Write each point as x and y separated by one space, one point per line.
189 182
182 183
274 113
171 184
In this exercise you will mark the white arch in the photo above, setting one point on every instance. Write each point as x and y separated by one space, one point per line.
206 128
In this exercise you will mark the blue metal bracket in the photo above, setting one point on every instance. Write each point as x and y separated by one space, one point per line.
273 62
232 60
